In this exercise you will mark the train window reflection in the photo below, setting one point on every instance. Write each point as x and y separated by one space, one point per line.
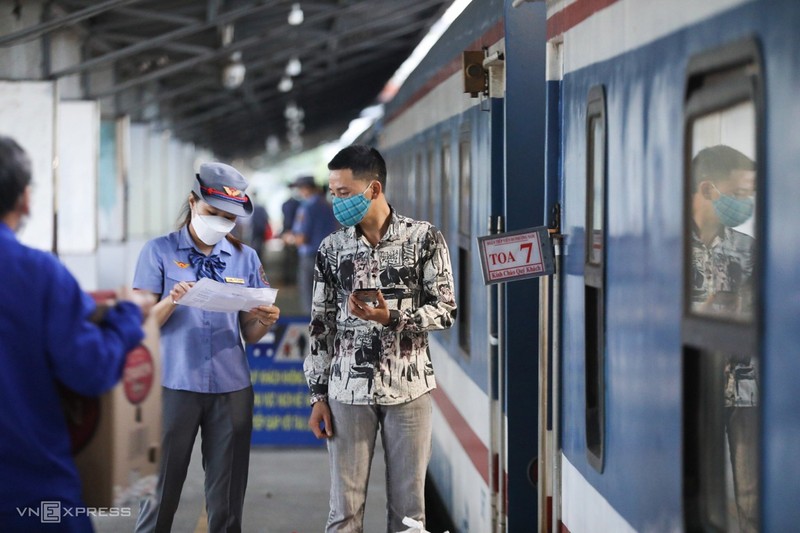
721 425
596 180
719 330
721 228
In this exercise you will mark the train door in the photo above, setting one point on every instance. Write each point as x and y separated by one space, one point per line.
524 207
723 213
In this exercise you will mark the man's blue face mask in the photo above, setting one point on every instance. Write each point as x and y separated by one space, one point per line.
732 211
352 210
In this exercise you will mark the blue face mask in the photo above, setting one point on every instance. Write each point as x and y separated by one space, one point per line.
352 210
732 211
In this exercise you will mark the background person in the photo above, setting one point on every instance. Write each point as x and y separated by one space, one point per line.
289 264
360 381
47 340
314 221
205 374
259 227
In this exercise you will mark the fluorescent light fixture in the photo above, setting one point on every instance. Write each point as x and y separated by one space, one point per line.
296 15
294 67
285 84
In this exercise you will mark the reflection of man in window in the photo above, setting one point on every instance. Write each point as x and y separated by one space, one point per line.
723 182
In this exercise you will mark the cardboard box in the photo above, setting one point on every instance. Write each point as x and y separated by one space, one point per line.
117 437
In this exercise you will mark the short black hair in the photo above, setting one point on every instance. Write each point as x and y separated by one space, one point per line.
365 162
716 163
15 173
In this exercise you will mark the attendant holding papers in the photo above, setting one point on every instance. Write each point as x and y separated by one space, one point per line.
205 374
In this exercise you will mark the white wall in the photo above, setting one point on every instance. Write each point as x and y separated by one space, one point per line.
78 152
27 113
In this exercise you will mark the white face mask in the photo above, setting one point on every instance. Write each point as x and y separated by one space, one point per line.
211 229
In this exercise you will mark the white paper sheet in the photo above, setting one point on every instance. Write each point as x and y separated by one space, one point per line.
212 295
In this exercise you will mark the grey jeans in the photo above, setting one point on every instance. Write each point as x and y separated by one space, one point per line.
406 436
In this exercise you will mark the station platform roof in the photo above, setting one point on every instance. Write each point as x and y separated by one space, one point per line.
169 60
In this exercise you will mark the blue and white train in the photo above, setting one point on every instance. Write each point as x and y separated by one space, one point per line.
598 399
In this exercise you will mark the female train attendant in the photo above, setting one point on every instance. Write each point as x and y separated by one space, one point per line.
206 378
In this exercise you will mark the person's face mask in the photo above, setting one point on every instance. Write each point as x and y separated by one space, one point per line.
352 210
732 211
210 228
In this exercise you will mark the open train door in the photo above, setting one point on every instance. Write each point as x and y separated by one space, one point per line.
525 207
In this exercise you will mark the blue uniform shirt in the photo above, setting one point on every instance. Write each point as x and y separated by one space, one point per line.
314 221
201 351
45 339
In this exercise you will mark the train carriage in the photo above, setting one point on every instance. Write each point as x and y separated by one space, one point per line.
599 399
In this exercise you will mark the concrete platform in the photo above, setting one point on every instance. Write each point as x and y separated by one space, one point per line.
287 492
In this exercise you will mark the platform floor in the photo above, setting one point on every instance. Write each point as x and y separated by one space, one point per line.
287 492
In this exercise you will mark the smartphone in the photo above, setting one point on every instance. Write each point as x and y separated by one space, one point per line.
367 295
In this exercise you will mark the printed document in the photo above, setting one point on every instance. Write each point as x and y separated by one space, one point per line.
212 295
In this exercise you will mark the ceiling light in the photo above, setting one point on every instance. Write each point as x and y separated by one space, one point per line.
285 84
296 15
233 73
294 67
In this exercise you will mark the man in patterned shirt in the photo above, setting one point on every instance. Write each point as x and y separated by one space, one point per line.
722 269
369 365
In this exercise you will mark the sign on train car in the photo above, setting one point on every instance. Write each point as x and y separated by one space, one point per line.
521 254
280 402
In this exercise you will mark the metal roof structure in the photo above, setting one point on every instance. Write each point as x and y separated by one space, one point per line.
168 60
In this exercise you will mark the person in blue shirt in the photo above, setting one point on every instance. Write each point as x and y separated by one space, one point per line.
51 337
314 222
206 380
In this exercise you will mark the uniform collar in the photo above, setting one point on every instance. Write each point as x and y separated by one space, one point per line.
185 242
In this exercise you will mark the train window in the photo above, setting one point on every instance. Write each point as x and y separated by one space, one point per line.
433 190
719 329
720 225
445 176
464 182
465 233
419 204
463 300
594 276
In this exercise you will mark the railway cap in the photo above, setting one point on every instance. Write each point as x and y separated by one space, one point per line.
222 186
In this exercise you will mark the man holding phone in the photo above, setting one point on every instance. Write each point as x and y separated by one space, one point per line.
380 284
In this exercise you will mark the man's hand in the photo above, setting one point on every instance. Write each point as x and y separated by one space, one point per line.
320 420
143 299
365 311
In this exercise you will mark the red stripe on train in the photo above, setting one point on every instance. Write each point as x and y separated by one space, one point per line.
574 14
478 453
489 38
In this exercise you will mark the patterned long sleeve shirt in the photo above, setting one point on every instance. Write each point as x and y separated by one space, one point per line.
362 362
722 287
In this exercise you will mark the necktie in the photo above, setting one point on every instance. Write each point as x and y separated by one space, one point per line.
207 266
